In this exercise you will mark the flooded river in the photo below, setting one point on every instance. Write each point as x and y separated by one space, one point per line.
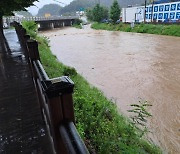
128 67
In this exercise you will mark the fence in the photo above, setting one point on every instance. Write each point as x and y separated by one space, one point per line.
55 98
8 20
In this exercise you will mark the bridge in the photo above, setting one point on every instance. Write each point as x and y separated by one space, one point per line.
43 22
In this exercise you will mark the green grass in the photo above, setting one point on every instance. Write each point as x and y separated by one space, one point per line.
172 30
77 26
101 126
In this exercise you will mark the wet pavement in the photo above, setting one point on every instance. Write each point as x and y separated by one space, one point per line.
129 67
22 129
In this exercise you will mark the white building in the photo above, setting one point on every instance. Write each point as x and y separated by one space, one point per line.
160 12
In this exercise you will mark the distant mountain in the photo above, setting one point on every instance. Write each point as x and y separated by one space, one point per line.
23 13
123 3
77 5
50 10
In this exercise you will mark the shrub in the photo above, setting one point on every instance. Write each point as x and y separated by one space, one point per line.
173 30
69 71
31 28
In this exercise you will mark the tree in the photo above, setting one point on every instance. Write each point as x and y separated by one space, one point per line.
115 11
52 9
98 13
8 6
105 13
89 14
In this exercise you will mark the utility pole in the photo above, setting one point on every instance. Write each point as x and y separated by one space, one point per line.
145 11
152 11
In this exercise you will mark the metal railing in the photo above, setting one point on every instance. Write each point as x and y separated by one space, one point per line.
56 101
20 19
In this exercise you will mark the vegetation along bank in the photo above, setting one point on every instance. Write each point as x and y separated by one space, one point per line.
98 121
172 30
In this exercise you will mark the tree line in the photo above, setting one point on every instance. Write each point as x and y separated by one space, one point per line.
99 13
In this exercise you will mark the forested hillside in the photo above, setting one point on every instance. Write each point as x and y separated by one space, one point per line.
76 5
52 9
123 3
23 13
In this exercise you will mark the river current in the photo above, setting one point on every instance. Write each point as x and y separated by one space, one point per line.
129 67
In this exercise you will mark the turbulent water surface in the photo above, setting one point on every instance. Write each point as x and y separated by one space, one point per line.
129 67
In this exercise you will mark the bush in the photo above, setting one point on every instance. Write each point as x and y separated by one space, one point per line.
31 28
69 71
173 30
78 21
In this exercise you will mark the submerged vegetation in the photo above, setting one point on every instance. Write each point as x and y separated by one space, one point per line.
78 24
140 115
98 121
172 30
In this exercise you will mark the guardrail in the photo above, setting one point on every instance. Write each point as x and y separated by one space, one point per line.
56 101
20 19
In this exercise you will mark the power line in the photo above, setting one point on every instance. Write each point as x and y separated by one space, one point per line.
60 2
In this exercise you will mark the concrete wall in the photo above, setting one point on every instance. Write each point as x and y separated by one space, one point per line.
161 12
133 14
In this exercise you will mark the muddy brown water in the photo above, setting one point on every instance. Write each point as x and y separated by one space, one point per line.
129 67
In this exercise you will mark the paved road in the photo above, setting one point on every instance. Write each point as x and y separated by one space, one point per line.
21 127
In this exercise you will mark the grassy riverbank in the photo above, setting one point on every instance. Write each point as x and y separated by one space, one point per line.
78 24
172 30
98 121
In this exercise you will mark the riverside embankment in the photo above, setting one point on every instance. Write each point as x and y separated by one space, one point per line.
159 29
128 67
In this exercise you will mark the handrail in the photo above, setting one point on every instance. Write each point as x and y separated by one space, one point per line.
71 139
56 102
40 70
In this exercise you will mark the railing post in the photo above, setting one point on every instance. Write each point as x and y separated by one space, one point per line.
26 38
59 92
33 49
33 54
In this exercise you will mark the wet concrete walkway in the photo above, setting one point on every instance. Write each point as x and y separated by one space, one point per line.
22 129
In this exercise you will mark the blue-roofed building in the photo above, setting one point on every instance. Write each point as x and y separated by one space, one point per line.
165 1
161 11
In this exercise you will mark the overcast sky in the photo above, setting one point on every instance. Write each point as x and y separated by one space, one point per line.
34 9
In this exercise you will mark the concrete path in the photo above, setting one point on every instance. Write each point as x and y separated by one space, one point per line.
22 129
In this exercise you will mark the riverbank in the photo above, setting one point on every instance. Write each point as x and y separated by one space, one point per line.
98 121
127 67
171 30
